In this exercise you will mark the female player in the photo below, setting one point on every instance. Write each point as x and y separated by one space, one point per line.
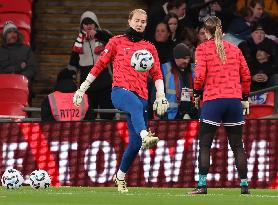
129 92
221 71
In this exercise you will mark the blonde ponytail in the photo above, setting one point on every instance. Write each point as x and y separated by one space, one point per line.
213 25
218 38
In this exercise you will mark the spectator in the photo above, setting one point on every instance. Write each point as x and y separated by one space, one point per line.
270 6
189 38
172 20
255 12
178 82
58 106
223 9
86 51
157 15
16 57
201 37
163 43
240 25
262 58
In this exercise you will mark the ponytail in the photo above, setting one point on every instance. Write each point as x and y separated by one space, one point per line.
218 39
213 25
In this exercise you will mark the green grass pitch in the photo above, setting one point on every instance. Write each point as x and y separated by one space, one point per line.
135 196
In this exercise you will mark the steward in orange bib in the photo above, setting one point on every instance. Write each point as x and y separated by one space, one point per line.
58 106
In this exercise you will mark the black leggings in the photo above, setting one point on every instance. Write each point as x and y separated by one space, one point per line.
206 135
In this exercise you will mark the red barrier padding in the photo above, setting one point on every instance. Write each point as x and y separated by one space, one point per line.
89 153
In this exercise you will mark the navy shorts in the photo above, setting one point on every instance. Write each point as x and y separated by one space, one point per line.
225 110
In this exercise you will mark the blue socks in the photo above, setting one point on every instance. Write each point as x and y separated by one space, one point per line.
243 182
202 180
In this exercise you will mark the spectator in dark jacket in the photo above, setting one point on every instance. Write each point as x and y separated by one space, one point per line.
16 57
261 56
86 51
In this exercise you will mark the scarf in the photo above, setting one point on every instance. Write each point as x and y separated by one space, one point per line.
133 35
78 44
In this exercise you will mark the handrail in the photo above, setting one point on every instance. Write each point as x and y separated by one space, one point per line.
264 90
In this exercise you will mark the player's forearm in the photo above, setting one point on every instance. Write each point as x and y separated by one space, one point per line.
86 84
99 66
159 85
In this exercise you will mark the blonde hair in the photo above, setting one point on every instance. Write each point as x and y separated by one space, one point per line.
140 11
213 25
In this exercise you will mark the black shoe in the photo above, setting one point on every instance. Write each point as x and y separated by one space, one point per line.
198 190
245 190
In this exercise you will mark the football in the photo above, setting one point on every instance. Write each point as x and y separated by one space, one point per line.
142 60
39 179
12 179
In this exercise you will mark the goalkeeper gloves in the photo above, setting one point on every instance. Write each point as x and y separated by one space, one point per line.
245 104
78 95
160 105
197 97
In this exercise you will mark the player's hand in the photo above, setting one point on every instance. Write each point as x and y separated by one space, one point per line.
78 97
160 105
245 107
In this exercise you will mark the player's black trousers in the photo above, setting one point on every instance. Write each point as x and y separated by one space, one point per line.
206 135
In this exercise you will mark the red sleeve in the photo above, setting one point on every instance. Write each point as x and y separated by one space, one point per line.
245 75
200 67
155 72
106 56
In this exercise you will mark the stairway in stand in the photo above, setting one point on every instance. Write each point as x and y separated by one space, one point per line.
55 27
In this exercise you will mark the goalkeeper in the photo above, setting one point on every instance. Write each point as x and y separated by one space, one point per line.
129 92
221 71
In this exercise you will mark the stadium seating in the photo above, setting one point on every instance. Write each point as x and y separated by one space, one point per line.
262 110
16 6
11 110
14 94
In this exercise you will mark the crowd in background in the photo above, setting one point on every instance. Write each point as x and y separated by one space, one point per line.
175 28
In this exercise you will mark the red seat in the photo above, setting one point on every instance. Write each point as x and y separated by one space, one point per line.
14 94
16 6
15 81
11 110
262 110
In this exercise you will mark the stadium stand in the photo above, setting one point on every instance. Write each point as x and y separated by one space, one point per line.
15 6
14 95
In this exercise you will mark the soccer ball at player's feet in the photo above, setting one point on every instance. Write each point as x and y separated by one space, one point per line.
198 190
12 179
39 179
149 140
142 60
245 190
121 184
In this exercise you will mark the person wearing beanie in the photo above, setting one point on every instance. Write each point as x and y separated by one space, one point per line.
178 79
58 106
16 57
85 52
261 55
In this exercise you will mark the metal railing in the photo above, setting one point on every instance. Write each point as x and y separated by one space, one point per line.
36 109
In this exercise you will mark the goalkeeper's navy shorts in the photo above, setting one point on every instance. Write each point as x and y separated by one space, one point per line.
225 110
